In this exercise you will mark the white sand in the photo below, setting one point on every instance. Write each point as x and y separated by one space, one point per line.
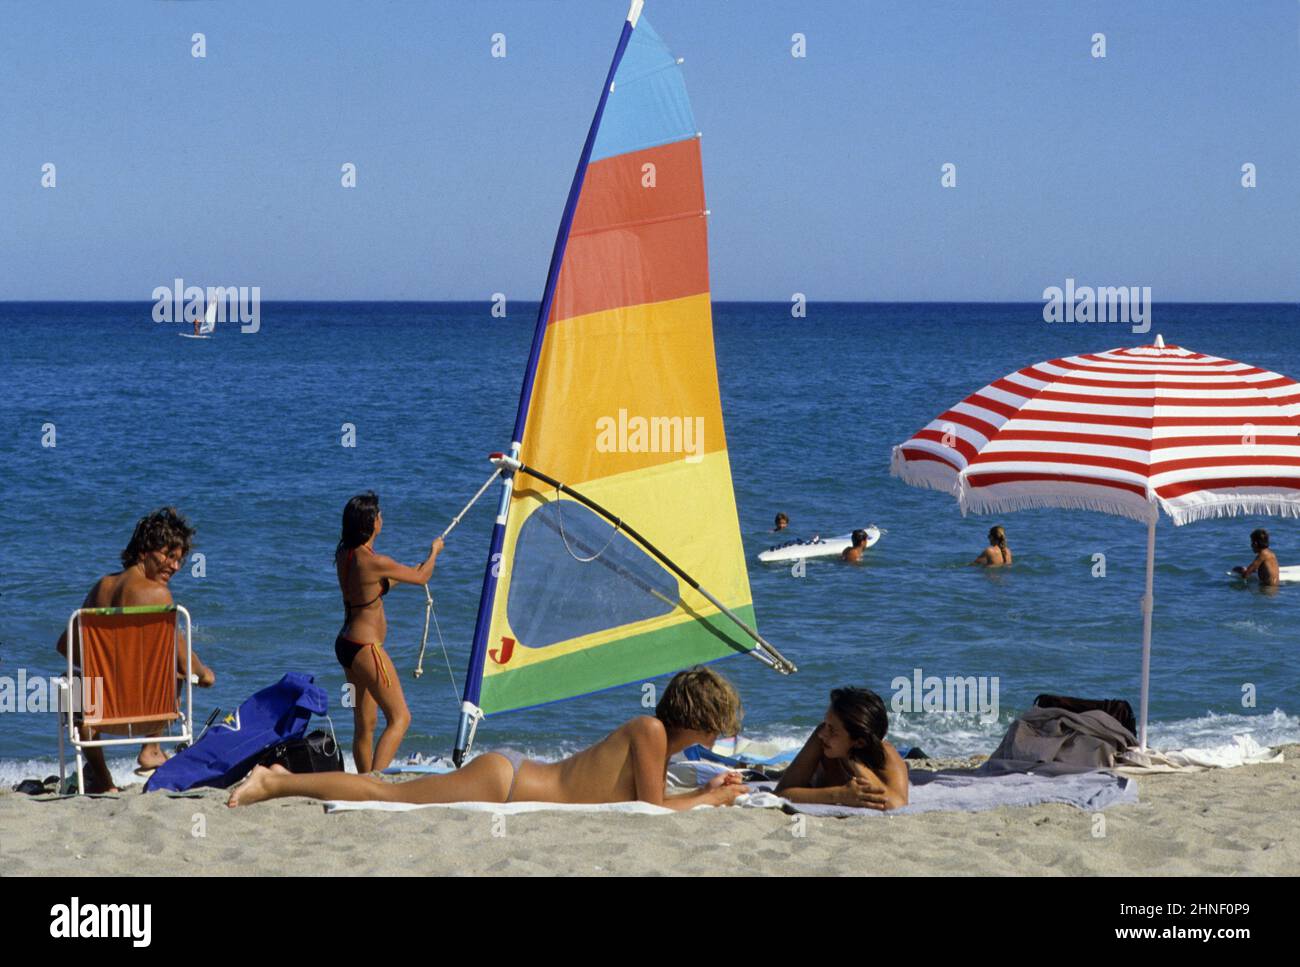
1222 822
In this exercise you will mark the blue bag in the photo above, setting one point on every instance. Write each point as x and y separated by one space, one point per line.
228 749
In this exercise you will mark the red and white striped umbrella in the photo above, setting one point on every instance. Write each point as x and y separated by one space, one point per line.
1129 432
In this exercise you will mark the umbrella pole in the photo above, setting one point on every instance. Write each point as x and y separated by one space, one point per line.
1148 603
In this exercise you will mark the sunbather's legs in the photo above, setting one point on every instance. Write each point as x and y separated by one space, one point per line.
485 779
377 688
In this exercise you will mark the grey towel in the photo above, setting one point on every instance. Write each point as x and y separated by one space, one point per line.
1053 741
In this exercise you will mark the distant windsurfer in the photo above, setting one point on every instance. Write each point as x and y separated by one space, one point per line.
157 546
631 763
853 553
1265 562
364 578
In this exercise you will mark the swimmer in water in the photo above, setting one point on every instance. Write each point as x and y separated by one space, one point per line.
997 554
1265 563
854 554
782 522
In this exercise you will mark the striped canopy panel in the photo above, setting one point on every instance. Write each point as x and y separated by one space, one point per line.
1124 432
624 408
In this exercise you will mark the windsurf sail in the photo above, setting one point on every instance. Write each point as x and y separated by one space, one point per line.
616 552
209 323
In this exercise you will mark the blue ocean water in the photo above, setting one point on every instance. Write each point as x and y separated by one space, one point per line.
242 432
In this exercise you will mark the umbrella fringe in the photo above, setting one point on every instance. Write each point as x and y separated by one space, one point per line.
1238 506
929 475
976 503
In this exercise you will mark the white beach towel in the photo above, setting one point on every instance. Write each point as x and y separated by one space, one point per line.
506 808
1243 750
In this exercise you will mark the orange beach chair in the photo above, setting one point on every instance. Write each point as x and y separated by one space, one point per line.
127 684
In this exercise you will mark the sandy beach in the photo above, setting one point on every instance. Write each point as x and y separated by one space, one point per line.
1221 822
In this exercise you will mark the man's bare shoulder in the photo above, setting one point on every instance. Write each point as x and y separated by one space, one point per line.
143 592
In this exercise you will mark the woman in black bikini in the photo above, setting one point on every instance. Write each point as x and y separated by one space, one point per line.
364 579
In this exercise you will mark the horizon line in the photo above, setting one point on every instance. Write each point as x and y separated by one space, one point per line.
880 302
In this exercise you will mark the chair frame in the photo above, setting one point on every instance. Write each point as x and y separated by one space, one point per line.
185 714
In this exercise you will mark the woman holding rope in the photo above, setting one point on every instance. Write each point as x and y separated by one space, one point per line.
364 578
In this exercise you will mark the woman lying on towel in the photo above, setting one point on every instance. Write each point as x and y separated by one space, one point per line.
631 763
847 761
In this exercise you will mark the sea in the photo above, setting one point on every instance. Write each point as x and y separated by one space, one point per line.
105 415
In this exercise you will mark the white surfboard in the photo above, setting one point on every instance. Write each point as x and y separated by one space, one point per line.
1288 574
207 327
816 547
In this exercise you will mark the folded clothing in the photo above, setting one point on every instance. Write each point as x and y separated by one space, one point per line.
1057 741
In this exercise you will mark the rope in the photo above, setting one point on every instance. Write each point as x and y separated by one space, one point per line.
428 595
581 560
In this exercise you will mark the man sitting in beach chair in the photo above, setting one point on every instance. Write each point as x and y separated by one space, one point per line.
160 541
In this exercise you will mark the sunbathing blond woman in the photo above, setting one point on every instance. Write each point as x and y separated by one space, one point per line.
631 763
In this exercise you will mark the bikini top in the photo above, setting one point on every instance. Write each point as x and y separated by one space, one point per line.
347 566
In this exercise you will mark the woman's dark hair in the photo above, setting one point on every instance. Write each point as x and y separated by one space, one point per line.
863 713
859 537
358 522
160 531
998 536
1259 538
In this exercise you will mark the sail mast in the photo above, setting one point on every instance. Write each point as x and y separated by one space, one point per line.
470 712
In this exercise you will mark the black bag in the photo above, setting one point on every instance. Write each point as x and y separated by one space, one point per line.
316 752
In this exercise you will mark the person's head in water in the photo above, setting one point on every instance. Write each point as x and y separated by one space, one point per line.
855 727
998 537
700 700
159 542
1258 540
782 522
859 538
361 521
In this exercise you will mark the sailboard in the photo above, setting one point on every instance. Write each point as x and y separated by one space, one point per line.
616 553
207 327
816 547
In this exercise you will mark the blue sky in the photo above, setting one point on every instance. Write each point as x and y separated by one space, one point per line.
822 173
